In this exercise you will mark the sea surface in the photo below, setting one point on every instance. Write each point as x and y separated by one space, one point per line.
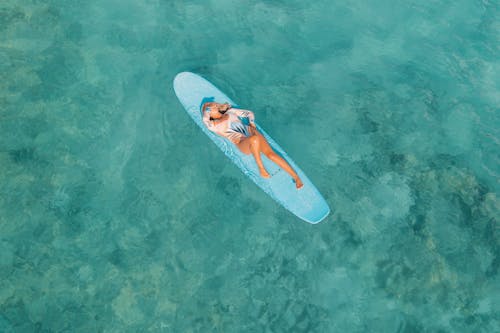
117 214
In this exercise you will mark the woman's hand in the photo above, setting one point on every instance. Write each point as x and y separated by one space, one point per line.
253 129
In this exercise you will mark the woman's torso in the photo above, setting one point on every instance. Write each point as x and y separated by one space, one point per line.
232 127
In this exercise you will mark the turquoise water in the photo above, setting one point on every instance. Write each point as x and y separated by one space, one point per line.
113 206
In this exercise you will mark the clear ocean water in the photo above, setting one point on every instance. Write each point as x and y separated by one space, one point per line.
114 212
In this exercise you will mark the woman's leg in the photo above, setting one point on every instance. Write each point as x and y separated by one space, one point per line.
252 145
270 154
256 144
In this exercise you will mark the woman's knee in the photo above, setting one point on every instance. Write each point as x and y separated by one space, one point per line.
253 140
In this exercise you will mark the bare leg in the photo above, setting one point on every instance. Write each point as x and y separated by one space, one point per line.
256 149
269 152
256 144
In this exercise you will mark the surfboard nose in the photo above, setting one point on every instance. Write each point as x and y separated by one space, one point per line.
180 80
182 76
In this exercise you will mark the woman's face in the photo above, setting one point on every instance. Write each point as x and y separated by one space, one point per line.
216 108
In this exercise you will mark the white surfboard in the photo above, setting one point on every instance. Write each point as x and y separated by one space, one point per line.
306 203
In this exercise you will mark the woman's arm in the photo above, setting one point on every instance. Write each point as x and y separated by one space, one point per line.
206 118
206 105
244 114
250 116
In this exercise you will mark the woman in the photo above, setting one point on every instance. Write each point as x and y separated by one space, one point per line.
238 126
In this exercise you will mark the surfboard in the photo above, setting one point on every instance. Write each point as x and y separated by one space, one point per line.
307 203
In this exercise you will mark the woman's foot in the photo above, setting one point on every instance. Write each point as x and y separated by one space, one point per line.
264 173
298 183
